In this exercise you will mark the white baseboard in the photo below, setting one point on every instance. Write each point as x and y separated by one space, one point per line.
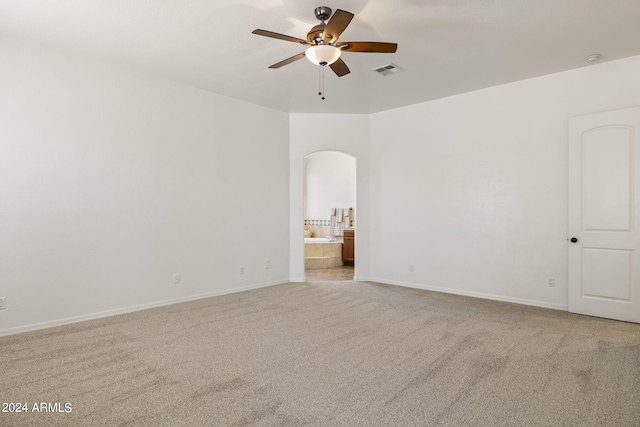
298 279
130 309
523 301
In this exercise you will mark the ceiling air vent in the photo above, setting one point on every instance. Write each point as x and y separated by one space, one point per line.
385 70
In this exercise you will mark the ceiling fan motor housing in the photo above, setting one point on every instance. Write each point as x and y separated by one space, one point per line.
315 34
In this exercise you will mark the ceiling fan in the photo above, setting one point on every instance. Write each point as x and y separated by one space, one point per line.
324 47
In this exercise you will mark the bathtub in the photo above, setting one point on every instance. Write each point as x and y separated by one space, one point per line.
321 253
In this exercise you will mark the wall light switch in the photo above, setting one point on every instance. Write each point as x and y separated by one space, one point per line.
3 303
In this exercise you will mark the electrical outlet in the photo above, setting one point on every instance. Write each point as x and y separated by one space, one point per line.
3 303
241 269
552 282
176 279
267 264
411 267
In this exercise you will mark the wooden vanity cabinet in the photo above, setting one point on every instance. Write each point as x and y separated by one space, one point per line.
348 247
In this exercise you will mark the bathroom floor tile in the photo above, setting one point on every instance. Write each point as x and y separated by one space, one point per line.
330 274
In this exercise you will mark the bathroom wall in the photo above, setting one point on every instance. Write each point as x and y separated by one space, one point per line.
112 181
329 182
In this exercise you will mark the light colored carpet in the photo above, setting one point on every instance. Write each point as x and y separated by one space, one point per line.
329 354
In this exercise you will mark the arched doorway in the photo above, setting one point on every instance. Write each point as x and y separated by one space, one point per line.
329 215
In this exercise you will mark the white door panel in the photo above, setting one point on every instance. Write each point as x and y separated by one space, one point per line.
606 178
604 263
606 266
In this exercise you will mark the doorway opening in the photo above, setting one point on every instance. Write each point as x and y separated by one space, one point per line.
329 216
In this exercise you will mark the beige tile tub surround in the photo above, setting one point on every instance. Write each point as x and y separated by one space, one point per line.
318 230
322 255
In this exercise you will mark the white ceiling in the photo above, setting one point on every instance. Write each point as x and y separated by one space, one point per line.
446 46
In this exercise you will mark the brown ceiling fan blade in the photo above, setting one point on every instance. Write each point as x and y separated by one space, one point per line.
279 36
288 60
373 47
336 25
340 68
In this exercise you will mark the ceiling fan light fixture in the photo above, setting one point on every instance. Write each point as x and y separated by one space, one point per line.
323 54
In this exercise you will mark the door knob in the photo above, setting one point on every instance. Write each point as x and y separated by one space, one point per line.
574 240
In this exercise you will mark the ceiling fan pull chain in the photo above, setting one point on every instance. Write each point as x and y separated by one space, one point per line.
320 81
322 74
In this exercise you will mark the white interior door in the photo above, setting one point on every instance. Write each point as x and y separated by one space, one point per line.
604 259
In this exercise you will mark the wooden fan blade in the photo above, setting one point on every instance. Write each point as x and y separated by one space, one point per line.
279 36
288 60
336 25
373 47
340 68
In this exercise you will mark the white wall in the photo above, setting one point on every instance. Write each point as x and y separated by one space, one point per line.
472 189
348 133
113 181
329 182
